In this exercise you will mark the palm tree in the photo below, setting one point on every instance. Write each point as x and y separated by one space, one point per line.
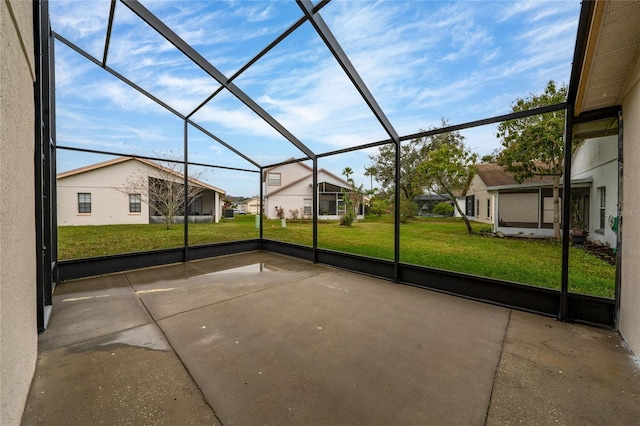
370 171
347 172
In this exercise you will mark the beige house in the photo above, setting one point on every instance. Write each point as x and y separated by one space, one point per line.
495 198
290 188
251 206
102 194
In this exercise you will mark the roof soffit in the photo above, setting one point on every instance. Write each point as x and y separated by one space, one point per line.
613 48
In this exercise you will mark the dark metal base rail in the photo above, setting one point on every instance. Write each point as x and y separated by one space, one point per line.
582 308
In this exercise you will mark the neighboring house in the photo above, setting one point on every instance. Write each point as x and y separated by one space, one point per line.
251 206
290 187
97 195
426 202
495 198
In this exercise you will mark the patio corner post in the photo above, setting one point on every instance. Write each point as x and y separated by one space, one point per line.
566 213
261 207
53 163
616 319
185 205
579 55
314 204
44 177
396 219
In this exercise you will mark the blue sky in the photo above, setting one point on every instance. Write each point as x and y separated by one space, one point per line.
422 60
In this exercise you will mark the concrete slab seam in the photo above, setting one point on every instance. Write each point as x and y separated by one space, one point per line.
495 375
287 282
215 415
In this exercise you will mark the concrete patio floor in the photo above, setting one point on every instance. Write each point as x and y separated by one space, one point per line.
259 338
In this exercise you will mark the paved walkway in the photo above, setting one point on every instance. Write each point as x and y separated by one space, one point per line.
260 338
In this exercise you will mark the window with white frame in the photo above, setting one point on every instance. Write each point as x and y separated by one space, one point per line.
84 202
273 179
488 208
306 207
135 203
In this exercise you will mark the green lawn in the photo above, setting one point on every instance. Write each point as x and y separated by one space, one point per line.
439 243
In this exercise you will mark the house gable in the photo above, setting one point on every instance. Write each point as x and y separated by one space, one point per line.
151 164
293 173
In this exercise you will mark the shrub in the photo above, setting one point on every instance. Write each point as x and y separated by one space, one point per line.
280 212
443 209
408 210
378 206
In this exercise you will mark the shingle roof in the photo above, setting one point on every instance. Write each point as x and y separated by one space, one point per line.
432 197
493 174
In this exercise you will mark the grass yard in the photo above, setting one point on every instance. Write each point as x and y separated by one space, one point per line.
439 243
75 242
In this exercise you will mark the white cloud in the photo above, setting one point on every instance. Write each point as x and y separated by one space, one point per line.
77 20
422 60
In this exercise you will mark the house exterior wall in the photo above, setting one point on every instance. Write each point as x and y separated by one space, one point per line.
290 199
598 159
18 324
630 263
461 202
288 173
108 205
478 188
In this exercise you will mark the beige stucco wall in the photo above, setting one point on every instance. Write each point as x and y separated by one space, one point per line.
630 280
291 198
289 173
109 205
478 188
18 328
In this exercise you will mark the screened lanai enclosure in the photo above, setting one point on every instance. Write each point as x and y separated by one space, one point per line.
328 99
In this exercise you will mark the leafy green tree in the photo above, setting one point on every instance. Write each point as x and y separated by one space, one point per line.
450 168
533 147
412 154
491 158
443 209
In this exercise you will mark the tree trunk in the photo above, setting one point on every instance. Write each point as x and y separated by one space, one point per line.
556 207
457 206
